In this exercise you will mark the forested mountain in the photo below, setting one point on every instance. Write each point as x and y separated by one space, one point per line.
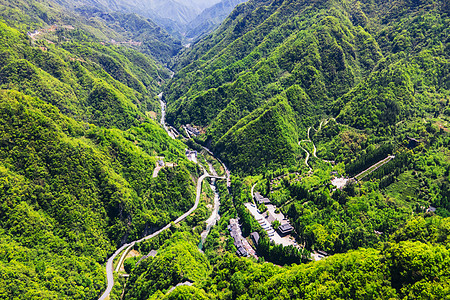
337 112
71 192
368 64
362 274
91 23
77 152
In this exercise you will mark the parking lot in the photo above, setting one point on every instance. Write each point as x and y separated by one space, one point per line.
273 235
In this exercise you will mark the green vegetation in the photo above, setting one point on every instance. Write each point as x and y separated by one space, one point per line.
270 71
406 269
84 23
71 192
88 81
356 80
178 261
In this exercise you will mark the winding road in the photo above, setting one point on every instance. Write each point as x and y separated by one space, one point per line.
253 189
109 264
324 122
128 246
307 154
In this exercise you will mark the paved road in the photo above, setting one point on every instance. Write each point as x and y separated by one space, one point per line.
307 156
109 263
214 218
227 172
253 194
324 122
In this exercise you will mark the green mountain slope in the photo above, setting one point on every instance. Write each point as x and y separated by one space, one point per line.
273 134
95 22
78 149
177 261
398 270
71 192
105 85
210 18
369 64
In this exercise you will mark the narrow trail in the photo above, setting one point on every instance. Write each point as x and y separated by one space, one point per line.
307 154
253 189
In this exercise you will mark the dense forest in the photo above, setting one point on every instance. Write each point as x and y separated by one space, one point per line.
336 111
369 64
77 154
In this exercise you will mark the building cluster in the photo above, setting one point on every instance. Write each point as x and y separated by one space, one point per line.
235 232
192 130
191 155
285 229
260 199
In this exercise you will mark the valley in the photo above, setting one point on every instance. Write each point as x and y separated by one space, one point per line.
260 149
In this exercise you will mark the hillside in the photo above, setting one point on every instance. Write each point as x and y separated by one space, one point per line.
340 56
106 85
91 23
71 192
77 154
183 19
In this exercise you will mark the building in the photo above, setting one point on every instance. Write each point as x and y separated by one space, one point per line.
285 228
235 232
192 129
189 152
260 199
270 217
241 250
431 209
160 163
255 237
191 155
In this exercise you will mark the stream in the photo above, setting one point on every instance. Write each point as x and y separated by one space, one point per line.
214 218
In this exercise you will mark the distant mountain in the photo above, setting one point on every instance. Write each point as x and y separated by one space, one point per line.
211 18
99 22
191 18
146 35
